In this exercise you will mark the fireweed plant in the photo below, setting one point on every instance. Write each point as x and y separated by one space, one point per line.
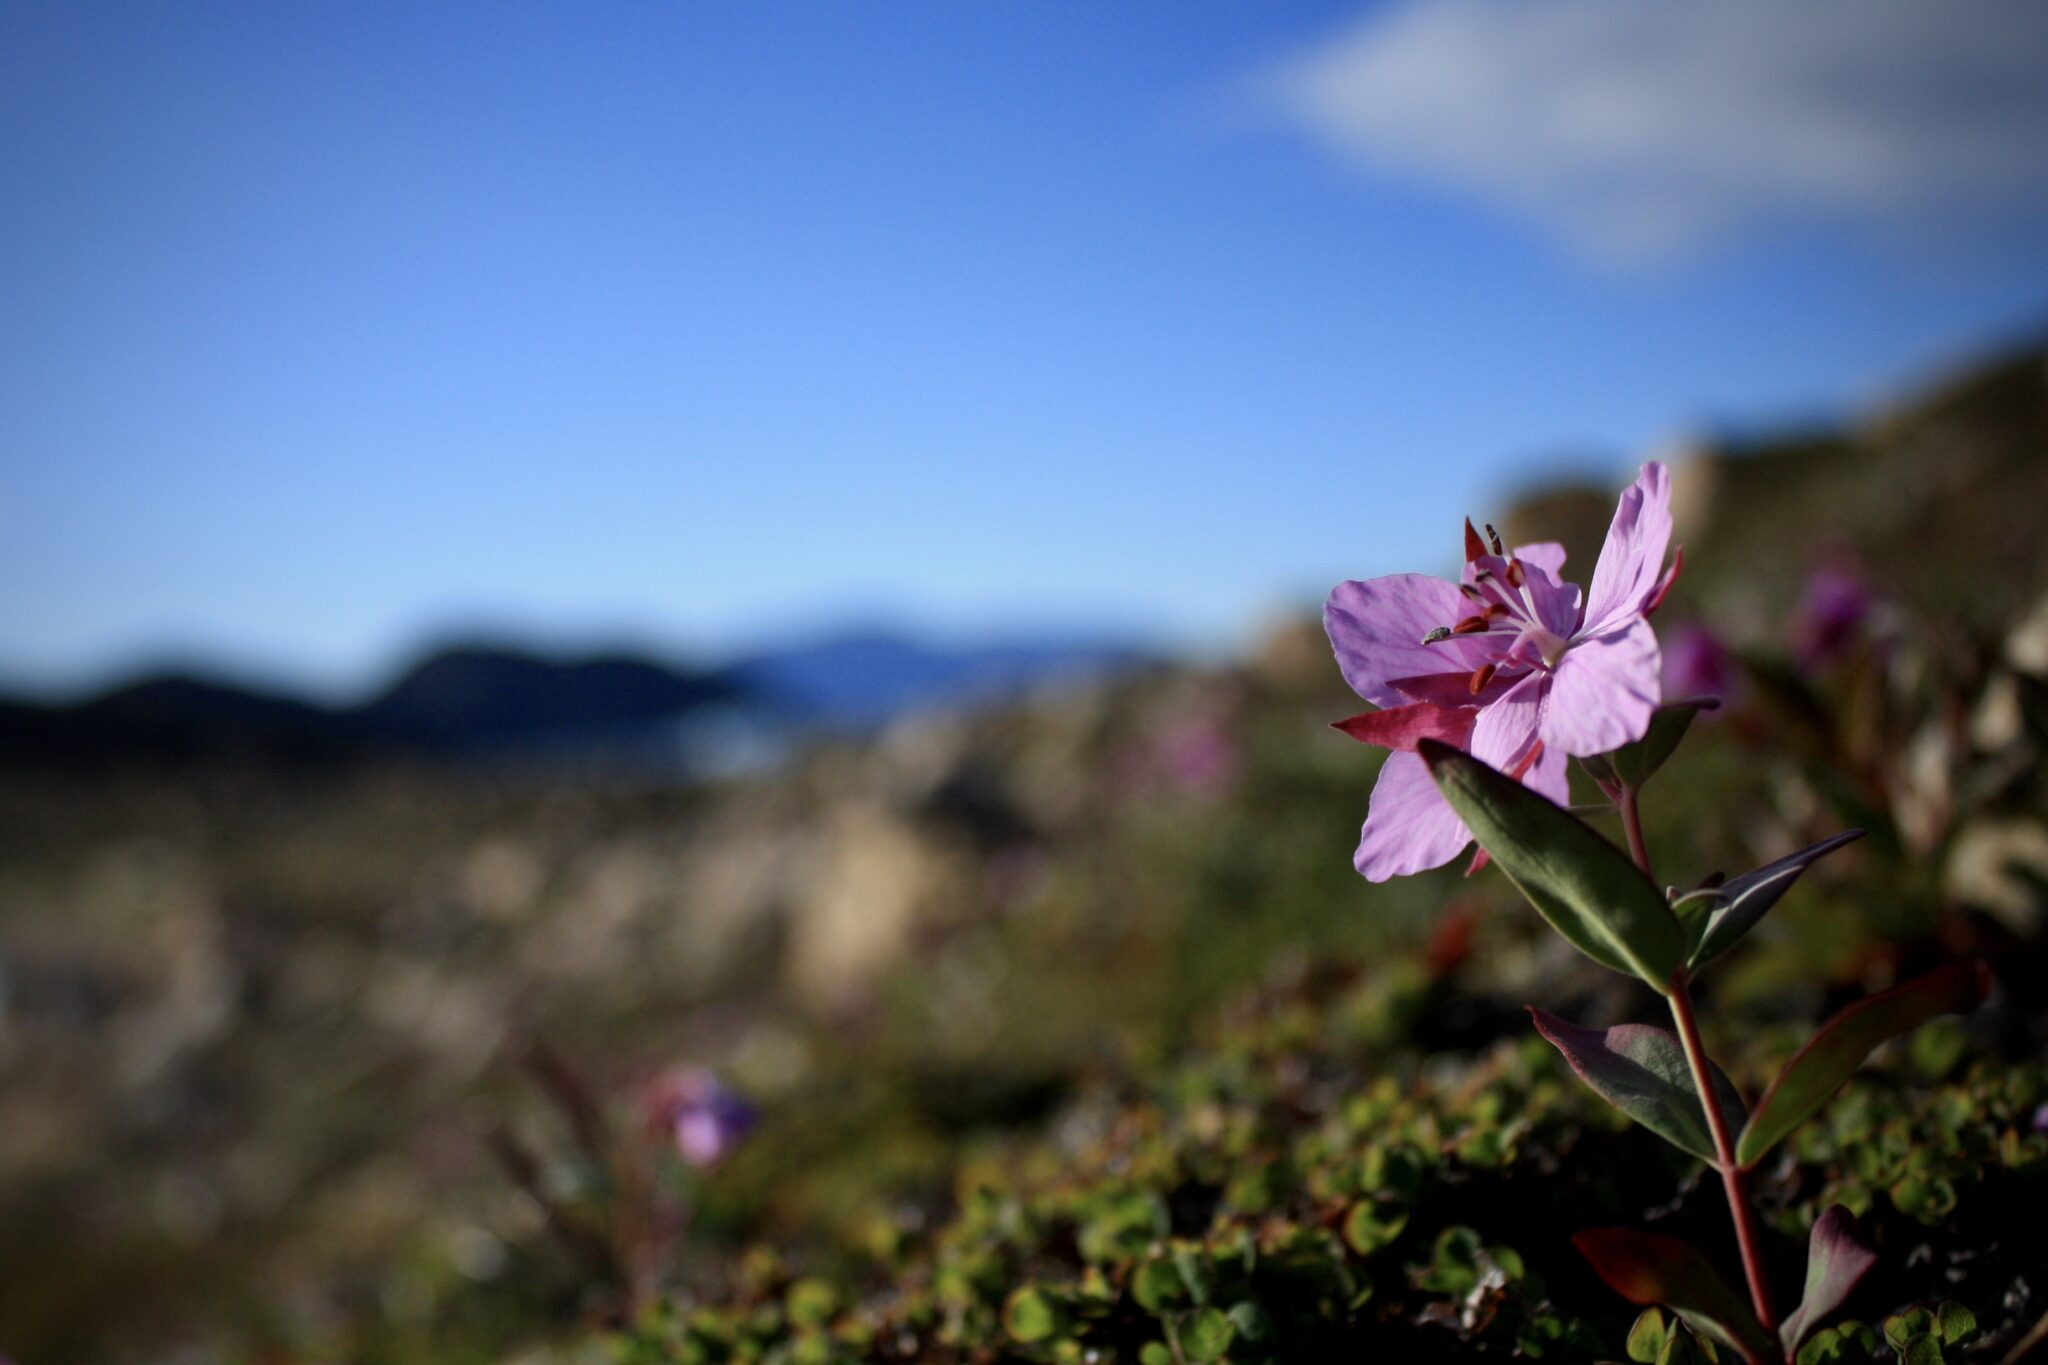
1485 688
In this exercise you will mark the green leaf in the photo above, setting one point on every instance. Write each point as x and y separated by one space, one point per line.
1813 1075
1206 1334
1646 1338
1954 1323
1031 1315
1744 899
1649 1268
1836 1258
1633 764
1585 886
1642 1071
1370 1226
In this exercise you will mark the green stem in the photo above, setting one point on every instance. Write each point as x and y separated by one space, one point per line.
1734 1179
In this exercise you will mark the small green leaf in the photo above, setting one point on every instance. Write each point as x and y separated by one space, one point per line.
1633 764
1922 1350
1250 1322
1813 1075
1206 1333
1646 1338
1954 1323
1643 1072
1585 886
1031 1315
1650 1268
1156 1284
1743 900
1369 1226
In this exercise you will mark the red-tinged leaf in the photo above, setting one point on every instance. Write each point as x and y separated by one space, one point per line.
1836 1258
1450 689
1648 1268
1744 899
1585 886
1817 1070
1475 548
1480 858
1401 728
1642 1071
1663 588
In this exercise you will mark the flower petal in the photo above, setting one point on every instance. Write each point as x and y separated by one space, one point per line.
1604 691
1547 555
1632 560
1377 627
1411 828
1400 727
1551 775
1507 728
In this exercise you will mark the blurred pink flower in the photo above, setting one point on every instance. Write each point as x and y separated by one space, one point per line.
1198 756
698 1112
1508 662
1696 663
1833 608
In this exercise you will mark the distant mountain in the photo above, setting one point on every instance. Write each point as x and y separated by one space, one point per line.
497 702
862 680
485 699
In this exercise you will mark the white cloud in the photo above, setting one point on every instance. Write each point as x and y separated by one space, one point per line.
1644 127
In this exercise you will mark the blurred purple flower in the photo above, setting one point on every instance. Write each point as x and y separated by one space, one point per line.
1198 756
2041 1119
1508 662
698 1112
1833 607
1696 663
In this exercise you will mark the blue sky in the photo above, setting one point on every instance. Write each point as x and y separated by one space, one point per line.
328 326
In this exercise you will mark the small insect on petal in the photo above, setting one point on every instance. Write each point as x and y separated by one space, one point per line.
1475 548
1481 676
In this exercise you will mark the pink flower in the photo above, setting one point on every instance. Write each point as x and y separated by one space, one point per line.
696 1111
1697 664
1833 607
1508 663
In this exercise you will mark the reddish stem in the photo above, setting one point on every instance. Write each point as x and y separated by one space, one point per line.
1734 1179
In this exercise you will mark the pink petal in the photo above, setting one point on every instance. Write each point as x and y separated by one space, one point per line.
1550 775
1547 555
1377 627
1401 727
1411 828
1603 691
1508 727
1633 557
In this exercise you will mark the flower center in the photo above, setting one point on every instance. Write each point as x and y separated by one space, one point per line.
1505 610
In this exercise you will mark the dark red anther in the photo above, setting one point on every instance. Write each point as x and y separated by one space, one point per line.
1517 575
1470 625
1494 536
1481 676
